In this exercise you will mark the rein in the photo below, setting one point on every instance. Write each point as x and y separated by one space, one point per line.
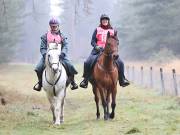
55 81
60 71
106 55
53 85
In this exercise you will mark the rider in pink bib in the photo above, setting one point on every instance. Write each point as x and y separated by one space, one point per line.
51 38
98 42
101 36
54 35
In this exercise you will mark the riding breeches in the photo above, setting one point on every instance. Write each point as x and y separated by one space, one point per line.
120 66
40 66
89 64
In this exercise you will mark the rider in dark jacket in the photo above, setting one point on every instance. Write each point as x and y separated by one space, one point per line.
98 42
71 71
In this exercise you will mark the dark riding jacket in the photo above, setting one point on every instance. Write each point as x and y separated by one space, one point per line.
94 43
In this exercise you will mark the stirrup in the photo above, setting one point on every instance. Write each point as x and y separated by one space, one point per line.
124 83
37 89
73 86
83 84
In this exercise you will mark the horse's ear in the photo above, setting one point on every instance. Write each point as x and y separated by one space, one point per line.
108 34
115 33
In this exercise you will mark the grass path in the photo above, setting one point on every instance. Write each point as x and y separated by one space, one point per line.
26 112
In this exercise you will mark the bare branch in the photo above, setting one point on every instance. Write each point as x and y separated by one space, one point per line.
4 6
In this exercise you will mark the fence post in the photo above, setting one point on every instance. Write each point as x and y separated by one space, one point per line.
133 73
175 82
151 77
162 82
142 78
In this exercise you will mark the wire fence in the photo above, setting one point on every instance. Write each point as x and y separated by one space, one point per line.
154 78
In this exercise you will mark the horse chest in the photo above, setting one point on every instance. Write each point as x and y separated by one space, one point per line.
105 79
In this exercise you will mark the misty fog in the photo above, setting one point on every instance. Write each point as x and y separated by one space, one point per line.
146 29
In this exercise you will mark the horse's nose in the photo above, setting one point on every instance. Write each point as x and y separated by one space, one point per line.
116 56
55 68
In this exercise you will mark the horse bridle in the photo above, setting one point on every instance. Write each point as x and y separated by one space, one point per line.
53 84
109 54
50 64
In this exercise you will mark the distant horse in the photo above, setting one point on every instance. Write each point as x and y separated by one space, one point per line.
105 77
54 82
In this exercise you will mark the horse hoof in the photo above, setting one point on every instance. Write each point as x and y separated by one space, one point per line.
62 121
97 118
57 123
105 117
111 116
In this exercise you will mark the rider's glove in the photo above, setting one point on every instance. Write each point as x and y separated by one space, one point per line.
44 56
98 48
62 55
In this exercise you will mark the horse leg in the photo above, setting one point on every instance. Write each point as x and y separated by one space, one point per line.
62 111
57 110
52 109
104 103
107 101
113 104
96 98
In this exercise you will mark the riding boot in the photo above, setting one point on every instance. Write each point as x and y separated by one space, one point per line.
123 81
38 85
84 83
73 83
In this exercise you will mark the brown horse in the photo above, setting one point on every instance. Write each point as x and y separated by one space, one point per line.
105 77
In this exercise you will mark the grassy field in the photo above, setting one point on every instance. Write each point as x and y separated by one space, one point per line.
26 112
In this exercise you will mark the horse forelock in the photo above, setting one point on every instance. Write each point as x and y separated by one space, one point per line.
52 46
113 37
